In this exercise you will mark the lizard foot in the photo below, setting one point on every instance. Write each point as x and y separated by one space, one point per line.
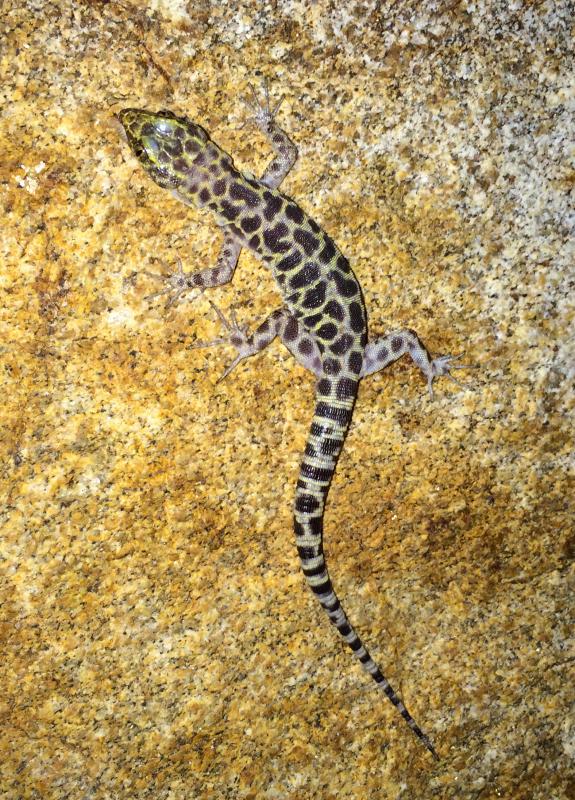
442 365
238 337
263 114
178 282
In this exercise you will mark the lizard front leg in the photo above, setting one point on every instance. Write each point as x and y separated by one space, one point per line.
283 147
179 282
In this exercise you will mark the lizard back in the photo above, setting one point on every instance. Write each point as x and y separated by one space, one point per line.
315 279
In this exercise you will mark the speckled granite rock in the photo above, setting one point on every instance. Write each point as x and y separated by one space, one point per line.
158 640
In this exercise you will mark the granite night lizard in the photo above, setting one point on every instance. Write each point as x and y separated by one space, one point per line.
322 321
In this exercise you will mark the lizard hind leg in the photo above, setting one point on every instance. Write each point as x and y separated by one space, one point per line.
279 323
176 284
236 336
389 348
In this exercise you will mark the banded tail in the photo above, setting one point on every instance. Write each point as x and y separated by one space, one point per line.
329 427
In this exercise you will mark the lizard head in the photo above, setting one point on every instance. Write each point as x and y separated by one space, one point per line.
165 145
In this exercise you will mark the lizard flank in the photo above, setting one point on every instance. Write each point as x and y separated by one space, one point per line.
322 321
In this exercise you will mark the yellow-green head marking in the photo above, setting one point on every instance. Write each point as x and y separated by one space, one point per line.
169 148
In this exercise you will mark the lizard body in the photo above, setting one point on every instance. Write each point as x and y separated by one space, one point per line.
323 320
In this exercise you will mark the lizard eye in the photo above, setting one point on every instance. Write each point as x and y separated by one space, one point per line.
162 126
151 146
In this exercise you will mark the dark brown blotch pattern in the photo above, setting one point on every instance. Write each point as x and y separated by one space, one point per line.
314 298
273 205
274 238
346 287
228 210
327 331
307 275
342 345
307 240
192 147
290 261
251 224
356 317
239 191
294 213
335 310
311 320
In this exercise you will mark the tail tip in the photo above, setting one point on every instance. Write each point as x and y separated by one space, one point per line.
427 742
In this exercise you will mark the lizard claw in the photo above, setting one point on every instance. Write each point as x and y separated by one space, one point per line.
442 365
237 337
236 330
178 282
263 115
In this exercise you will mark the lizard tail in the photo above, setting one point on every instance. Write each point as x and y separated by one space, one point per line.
330 423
